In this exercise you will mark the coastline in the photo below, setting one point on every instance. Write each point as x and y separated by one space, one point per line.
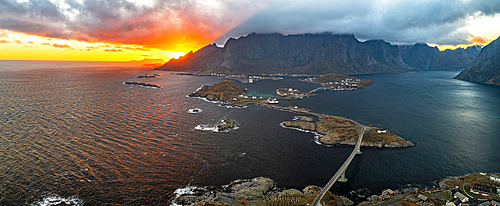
263 191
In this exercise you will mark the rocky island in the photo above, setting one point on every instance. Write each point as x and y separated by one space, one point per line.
226 124
225 91
142 84
148 76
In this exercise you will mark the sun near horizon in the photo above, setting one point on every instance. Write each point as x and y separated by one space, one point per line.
20 46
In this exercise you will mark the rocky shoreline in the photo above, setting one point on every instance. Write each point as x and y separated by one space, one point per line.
263 191
257 191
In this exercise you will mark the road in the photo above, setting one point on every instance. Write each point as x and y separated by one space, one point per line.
335 177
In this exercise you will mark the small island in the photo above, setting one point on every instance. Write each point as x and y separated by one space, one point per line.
337 82
147 76
221 126
226 124
142 84
225 91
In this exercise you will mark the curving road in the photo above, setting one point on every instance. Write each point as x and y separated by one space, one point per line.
342 169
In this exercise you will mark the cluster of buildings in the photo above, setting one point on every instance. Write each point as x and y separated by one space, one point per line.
386 194
344 84
460 199
287 92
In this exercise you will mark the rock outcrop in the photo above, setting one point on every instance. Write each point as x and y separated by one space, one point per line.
317 54
486 66
258 191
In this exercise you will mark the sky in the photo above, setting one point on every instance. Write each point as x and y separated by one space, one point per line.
122 30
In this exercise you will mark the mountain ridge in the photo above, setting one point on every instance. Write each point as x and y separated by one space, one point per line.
317 54
486 66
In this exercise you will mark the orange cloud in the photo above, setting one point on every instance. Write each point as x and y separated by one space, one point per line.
31 42
46 44
4 41
18 41
61 45
479 40
113 50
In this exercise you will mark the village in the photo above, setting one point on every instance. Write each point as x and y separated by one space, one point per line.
480 189
339 85
293 93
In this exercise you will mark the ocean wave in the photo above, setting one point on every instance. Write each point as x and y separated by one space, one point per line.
220 103
316 135
204 127
188 190
56 200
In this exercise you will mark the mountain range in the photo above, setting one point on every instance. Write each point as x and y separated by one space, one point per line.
318 54
486 66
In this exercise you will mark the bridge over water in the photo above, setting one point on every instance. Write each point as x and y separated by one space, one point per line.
341 171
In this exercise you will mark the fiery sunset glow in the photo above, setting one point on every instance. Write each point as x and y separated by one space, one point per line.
111 30
133 29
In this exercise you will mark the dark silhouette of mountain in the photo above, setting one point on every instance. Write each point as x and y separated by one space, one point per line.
316 54
486 66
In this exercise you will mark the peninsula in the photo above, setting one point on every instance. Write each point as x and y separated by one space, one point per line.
334 130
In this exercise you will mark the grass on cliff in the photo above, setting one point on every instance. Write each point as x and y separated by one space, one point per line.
371 135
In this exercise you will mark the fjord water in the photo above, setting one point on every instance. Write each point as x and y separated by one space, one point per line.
73 129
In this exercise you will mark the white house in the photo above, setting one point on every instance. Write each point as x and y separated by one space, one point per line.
460 196
495 178
381 131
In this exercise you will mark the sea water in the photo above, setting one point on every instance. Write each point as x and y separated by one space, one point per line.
74 131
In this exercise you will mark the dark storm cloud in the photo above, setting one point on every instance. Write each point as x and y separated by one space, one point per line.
434 21
168 24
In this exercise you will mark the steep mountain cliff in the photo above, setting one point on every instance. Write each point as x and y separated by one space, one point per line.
314 54
486 66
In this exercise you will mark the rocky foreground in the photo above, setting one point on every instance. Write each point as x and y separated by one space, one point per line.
263 191
258 191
